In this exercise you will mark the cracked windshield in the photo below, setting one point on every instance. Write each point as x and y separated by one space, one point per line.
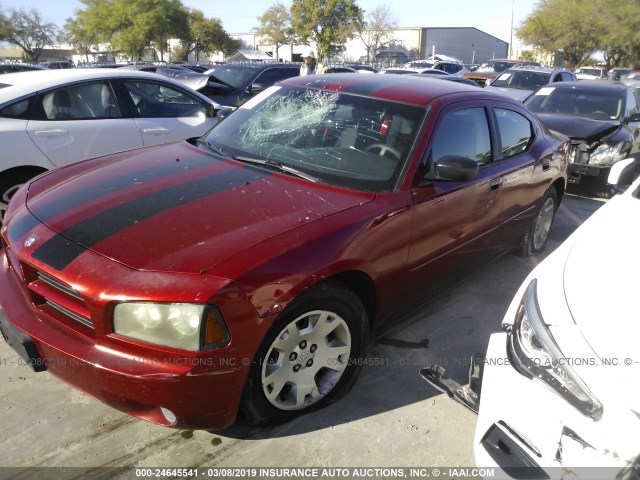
335 138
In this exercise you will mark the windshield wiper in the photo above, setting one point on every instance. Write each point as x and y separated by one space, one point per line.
276 166
214 148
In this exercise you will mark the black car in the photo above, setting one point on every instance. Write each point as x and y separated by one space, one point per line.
231 85
603 121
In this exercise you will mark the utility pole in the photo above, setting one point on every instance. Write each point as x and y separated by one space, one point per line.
511 41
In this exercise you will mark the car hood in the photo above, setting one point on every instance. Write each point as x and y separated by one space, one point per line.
579 128
174 208
600 283
199 82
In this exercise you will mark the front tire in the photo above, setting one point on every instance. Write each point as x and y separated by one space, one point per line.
10 183
309 357
535 240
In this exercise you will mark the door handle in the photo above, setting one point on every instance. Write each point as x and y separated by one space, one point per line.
54 132
495 184
155 131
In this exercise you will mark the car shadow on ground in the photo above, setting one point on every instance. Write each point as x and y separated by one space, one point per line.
448 331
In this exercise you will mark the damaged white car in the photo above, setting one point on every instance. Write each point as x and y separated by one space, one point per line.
558 390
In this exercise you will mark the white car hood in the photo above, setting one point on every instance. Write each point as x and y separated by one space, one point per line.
601 284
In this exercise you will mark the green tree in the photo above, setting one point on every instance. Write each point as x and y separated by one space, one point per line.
527 56
163 19
28 30
328 23
621 40
378 30
275 26
81 37
574 27
208 35
133 26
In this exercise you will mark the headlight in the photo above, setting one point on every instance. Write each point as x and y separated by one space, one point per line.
179 325
608 154
535 354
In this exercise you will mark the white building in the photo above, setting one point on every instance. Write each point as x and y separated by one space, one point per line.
469 44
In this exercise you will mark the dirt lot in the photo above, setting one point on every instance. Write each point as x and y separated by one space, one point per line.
390 418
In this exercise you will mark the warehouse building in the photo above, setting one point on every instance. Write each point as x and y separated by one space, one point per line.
466 43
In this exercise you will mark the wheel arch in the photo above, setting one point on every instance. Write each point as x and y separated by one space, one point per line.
364 288
559 185
37 170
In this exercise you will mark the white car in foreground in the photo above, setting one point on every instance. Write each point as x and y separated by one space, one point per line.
560 391
50 118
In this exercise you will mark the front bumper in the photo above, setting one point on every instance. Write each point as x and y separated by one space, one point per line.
528 431
171 388
577 169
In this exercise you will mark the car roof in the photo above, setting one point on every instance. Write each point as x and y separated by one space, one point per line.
533 68
26 83
400 88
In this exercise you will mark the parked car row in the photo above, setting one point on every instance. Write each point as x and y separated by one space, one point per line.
487 71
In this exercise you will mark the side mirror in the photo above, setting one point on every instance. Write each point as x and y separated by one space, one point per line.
255 88
224 113
633 118
455 168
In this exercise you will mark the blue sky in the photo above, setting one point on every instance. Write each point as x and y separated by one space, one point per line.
490 16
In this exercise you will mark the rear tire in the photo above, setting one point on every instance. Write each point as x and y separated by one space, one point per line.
310 357
535 240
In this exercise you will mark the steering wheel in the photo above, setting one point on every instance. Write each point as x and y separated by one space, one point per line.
382 149
600 115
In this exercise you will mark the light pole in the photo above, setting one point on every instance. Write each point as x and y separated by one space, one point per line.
511 31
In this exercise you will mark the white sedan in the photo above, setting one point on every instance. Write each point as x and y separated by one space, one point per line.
55 117
560 391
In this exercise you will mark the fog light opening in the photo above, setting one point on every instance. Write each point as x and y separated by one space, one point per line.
169 415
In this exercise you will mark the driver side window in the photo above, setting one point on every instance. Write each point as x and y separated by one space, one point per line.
463 133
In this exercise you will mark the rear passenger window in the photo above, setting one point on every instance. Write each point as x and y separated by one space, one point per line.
516 132
90 100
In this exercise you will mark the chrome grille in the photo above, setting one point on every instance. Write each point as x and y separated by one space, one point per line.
70 313
58 300
58 285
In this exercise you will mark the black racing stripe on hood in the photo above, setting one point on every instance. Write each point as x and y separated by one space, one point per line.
117 183
63 248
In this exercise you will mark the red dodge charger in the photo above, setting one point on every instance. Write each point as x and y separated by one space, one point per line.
249 269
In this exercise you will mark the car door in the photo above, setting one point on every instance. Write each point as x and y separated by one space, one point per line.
81 121
525 174
456 223
165 112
